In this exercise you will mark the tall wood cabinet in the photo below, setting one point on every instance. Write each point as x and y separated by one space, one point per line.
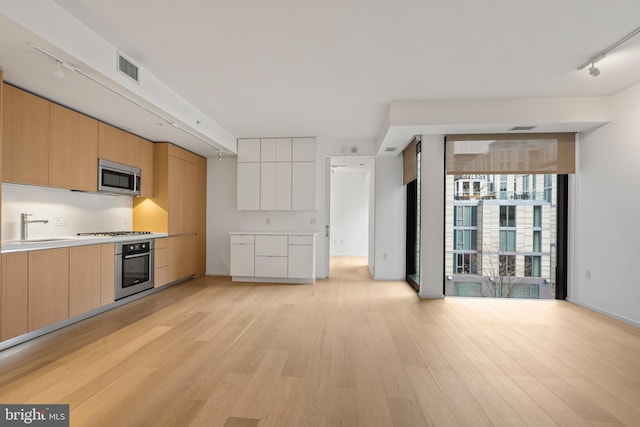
178 208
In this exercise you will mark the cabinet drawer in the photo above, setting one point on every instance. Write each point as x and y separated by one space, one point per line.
271 266
271 246
242 238
301 240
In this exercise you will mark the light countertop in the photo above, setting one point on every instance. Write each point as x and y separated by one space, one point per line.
276 233
35 244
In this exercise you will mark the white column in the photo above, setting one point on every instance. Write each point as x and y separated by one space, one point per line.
432 217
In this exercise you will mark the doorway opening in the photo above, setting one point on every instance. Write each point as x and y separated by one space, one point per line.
350 190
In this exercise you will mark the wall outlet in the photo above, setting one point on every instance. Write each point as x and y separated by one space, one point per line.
587 274
60 221
312 221
268 220
384 255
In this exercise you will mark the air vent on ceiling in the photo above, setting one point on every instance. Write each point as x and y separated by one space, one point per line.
128 68
390 149
523 127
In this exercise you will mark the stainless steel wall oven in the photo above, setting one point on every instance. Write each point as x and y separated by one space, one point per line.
133 268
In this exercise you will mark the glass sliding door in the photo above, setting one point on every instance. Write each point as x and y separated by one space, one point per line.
413 225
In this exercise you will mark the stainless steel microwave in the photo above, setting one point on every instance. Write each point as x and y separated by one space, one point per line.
116 178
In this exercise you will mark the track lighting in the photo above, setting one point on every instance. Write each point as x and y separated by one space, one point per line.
593 70
219 155
59 72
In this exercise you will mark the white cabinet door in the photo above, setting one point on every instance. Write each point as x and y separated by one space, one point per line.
283 186
271 245
304 149
248 197
268 189
301 262
283 150
303 186
248 150
271 266
268 150
242 260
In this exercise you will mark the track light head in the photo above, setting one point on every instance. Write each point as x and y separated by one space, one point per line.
594 71
59 72
219 155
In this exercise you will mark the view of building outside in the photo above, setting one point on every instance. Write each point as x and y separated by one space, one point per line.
500 238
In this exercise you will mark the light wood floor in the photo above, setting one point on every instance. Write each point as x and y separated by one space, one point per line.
344 352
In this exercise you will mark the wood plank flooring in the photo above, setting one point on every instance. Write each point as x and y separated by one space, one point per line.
347 351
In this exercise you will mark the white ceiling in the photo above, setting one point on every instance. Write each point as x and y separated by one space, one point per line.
331 68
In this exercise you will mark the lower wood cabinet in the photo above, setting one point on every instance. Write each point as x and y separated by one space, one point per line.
84 279
14 294
175 260
48 283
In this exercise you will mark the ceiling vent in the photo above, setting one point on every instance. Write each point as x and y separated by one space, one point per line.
522 128
128 68
390 149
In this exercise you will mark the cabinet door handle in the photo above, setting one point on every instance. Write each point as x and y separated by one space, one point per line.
326 230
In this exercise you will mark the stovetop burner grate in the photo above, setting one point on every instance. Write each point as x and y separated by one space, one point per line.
115 233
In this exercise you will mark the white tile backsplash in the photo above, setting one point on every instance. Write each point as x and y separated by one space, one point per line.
82 212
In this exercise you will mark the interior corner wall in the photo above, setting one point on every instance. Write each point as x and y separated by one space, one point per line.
390 196
371 262
606 232
432 217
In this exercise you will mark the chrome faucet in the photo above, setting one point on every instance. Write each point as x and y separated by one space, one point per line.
25 224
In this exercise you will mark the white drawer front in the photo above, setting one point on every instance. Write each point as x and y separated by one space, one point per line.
242 238
271 246
271 266
301 240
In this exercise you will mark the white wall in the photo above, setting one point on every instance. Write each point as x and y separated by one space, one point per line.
223 217
83 212
606 231
349 213
390 220
432 217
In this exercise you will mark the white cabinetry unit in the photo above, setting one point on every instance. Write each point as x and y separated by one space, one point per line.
242 255
301 257
276 174
273 257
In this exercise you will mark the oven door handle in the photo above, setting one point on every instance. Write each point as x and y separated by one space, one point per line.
136 255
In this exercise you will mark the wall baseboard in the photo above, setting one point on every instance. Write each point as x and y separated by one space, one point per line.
605 312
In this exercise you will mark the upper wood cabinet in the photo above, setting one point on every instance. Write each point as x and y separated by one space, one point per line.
25 130
73 150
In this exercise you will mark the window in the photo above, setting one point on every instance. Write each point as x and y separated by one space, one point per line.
466 216
537 241
507 241
476 188
465 263
507 265
503 187
507 216
466 240
468 289
548 188
526 290
537 216
532 266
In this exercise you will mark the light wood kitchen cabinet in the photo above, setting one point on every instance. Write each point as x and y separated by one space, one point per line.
73 150
14 294
143 157
113 144
107 273
182 257
25 130
48 287
84 279
161 262
178 208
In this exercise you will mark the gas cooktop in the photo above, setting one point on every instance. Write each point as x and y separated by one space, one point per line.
115 233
